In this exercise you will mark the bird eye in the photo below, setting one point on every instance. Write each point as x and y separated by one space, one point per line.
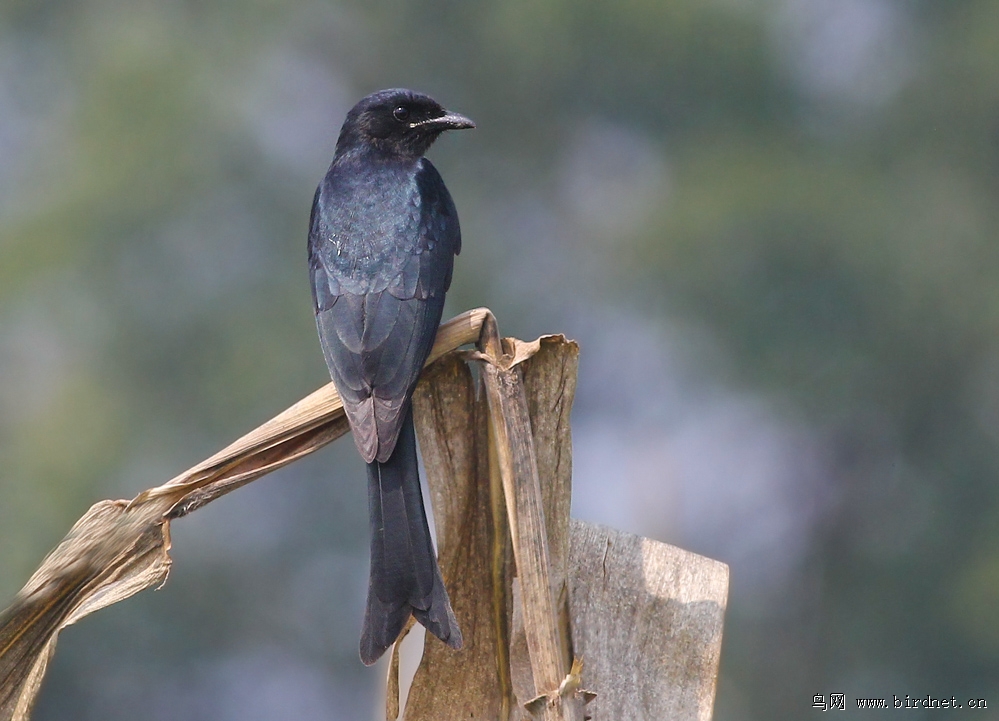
401 114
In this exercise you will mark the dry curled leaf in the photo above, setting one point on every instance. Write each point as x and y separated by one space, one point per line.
119 548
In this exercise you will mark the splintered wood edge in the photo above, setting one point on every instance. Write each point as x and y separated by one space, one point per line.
510 430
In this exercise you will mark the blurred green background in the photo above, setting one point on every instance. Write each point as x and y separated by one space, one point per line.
772 227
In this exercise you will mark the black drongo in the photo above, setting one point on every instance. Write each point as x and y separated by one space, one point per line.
382 241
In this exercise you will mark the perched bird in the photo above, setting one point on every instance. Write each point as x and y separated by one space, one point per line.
382 241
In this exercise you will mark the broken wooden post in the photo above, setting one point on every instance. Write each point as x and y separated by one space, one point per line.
647 621
551 611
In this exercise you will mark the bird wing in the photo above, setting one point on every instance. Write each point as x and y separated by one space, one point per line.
377 327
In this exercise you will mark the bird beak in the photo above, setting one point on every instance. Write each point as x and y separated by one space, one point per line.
448 121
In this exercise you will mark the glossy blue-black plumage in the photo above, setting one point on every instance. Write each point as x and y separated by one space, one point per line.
382 241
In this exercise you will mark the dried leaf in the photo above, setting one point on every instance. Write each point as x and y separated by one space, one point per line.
120 548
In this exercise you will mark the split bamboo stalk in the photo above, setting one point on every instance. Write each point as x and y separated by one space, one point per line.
513 446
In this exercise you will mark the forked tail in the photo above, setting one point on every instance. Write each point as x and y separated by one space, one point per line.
404 577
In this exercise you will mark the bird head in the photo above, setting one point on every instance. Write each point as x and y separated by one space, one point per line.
398 121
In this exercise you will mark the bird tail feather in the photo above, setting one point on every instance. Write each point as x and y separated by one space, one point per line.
405 578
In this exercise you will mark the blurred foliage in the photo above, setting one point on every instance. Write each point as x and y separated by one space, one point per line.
818 189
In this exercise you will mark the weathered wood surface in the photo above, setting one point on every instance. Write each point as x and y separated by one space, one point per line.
513 444
472 683
644 618
548 381
647 623
533 386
